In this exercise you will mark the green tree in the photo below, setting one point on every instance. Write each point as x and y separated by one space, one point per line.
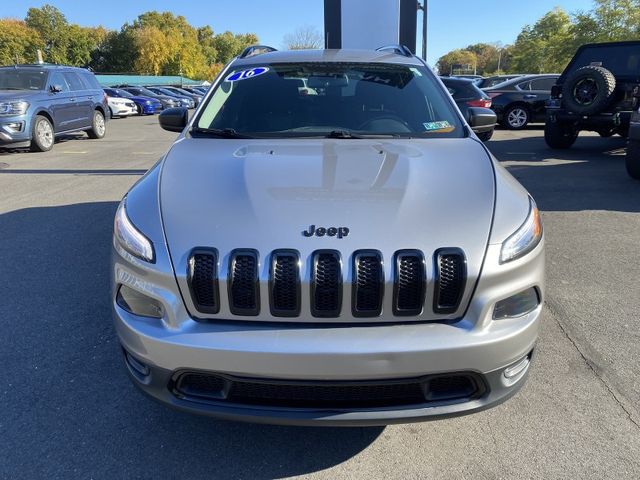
457 61
542 47
18 42
229 45
53 28
154 51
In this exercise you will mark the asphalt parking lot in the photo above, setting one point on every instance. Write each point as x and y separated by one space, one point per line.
69 411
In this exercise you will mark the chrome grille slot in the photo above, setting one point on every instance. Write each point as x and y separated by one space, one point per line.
244 293
368 283
326 284
284 283
202 277
409 283
451 272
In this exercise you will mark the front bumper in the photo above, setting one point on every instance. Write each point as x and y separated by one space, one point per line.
318 353
14 130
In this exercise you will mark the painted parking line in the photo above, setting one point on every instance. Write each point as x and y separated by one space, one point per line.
73 152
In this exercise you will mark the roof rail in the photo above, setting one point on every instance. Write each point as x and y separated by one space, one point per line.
256 50
399 49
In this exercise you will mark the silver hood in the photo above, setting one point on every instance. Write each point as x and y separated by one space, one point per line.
390 194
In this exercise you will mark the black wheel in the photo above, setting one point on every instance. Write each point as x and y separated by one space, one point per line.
516 117
632 160
139 109
588 90
111 117
42 136
98 127
485 136
558 135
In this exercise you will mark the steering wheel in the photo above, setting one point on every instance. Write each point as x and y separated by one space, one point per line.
388 117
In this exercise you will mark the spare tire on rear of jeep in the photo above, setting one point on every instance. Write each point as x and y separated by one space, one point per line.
588 90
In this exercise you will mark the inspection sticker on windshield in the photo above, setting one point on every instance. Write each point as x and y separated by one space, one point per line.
443 126
245 74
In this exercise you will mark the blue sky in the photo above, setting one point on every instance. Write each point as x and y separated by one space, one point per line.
452 24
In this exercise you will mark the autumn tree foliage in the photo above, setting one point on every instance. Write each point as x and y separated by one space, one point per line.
158 43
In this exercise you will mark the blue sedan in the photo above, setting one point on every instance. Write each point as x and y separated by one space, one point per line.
146 105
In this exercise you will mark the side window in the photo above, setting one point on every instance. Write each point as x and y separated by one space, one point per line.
452 92
525 86
90 81
74 81
543 84
58 80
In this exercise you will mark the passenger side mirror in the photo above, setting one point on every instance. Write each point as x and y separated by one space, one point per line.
481 117
174 119
55 88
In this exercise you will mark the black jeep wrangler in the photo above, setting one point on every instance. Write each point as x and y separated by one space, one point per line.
598 91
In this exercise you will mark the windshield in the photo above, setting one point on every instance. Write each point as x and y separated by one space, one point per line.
122 93
13 79
317 99
143 91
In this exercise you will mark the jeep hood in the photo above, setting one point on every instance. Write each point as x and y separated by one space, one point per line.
390 194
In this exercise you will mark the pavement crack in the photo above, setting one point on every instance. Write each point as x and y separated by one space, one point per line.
553 308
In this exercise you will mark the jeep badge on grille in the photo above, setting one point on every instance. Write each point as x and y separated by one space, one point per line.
322 231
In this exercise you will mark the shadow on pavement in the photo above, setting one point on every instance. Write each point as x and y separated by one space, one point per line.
589 176
68 408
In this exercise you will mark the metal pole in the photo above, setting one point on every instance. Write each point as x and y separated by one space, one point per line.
424 8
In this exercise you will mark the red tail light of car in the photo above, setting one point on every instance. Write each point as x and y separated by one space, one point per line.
481 102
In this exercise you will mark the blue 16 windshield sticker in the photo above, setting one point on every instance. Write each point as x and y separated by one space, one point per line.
246 74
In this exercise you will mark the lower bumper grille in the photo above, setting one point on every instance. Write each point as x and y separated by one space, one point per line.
453 388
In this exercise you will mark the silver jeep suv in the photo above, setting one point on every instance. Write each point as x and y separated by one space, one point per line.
327 242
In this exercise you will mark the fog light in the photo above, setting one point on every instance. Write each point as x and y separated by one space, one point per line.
138 303
517 369
517 305
15 126
136 365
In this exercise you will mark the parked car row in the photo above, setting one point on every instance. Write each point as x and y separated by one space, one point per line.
126 100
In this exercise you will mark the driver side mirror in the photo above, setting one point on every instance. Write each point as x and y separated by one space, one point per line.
55 88
481 117
174 119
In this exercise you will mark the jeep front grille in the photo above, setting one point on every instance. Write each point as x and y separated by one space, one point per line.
284 283
202 276
406 281
326 284
410 283
368 284
244 294
450 279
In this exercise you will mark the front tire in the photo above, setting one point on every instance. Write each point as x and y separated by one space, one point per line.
632 159
485 136
42 136
98 126
516 117
559 136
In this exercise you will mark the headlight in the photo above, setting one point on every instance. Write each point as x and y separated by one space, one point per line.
130 238
526 238
148 102
13 108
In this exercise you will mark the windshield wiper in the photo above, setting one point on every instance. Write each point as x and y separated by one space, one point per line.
218 132
350 135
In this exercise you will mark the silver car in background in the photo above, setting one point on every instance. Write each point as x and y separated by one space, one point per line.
328 243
